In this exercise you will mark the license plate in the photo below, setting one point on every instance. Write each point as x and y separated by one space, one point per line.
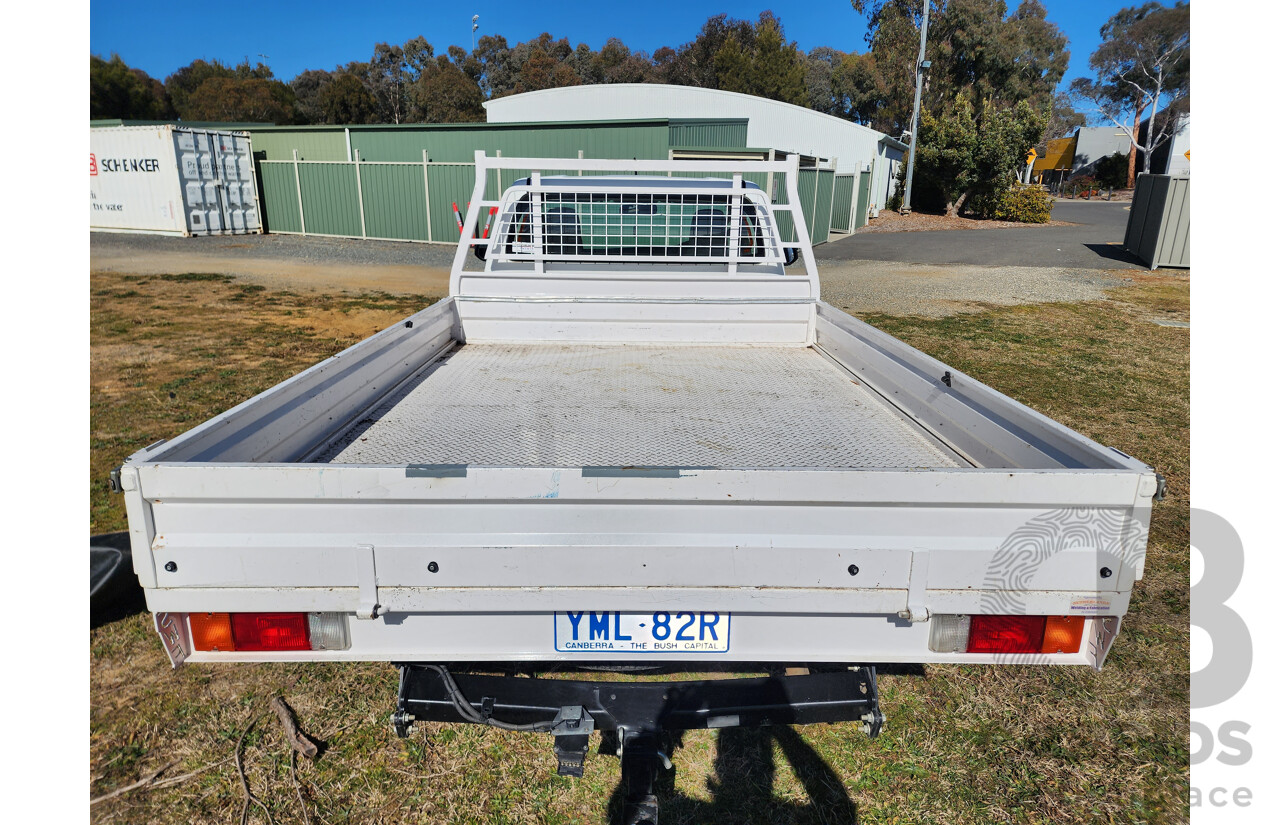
658 632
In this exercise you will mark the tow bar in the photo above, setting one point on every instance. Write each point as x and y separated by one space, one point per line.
632 716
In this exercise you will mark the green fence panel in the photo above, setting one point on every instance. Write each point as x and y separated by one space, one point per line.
842 203
398 204
329 201
864 200
820 227
449 184
395 201
807 183
279 197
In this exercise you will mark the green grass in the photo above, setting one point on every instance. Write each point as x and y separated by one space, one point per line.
963 744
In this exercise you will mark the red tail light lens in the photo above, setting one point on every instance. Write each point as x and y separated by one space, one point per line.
270 631
1001 634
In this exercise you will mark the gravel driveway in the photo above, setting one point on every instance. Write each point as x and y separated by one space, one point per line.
937 290
283 261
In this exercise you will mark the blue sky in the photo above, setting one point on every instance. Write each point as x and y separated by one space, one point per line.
159 37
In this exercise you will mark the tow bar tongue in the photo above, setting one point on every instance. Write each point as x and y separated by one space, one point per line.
634 715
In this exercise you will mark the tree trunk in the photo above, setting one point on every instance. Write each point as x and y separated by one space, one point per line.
1133 145
1151 127
953 209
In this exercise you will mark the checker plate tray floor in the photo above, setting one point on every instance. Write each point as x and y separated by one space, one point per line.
583 405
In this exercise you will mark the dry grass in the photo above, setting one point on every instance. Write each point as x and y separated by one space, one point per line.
964 744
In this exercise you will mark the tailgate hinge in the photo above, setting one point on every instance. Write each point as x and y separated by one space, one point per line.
916 610
368 580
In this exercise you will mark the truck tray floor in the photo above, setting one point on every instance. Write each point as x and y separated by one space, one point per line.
583 405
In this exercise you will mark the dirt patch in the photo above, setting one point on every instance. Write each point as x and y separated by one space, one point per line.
276 274
922 222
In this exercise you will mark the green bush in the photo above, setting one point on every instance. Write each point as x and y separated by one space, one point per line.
1112 171
1023 204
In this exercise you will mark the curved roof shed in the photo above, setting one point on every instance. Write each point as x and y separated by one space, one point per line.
770 123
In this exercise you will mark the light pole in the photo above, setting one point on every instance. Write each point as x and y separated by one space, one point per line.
475 24
921 66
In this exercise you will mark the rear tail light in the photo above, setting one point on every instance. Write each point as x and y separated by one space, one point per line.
1005 634
268 631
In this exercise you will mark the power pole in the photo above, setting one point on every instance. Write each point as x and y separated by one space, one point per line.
921 66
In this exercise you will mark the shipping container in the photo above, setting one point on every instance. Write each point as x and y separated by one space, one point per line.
169 180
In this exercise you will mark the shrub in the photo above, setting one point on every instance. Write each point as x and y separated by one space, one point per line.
1112 171
1084 182
1023 204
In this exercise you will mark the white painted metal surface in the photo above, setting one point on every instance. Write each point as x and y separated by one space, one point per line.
450 495
771 124
172 181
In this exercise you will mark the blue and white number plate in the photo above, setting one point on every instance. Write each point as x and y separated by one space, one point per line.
660 632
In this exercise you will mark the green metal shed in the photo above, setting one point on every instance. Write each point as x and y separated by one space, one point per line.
457 142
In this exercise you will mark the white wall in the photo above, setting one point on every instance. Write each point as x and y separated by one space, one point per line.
1180 144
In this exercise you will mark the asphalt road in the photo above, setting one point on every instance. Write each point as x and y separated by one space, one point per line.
1093 244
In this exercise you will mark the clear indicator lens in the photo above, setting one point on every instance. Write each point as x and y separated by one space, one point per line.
948 634
328 631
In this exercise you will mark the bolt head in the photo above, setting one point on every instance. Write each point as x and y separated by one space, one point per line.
1105 572
853 570
171 566
433 568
